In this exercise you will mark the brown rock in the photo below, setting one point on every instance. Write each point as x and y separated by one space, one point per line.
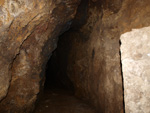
28 35
29 31
94 58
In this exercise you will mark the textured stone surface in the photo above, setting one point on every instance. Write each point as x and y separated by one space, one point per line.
28 34
135 57
28 31
94 57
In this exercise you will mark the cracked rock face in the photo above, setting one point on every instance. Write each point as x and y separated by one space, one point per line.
135 56
28 34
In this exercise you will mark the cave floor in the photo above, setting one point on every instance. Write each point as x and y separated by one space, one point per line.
62 101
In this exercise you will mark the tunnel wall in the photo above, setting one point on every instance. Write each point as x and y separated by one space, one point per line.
94 60
28 34
94 64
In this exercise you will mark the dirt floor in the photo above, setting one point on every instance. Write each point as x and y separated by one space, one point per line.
61 101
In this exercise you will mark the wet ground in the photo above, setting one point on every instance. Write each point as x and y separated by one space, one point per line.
61 101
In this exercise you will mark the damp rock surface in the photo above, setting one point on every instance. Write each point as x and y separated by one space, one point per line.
135 57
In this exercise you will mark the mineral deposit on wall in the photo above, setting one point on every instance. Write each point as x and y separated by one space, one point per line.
135 57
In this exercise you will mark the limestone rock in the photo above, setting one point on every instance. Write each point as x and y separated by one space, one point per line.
135 57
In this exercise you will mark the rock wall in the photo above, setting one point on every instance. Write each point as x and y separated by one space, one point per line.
28 34
135 57
94 64
94 61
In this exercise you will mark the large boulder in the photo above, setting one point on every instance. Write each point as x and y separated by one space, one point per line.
135 57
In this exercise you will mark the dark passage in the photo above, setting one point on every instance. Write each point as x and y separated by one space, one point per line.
84 71
56 76
58 96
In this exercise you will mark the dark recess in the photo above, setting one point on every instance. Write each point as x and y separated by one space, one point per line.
56 69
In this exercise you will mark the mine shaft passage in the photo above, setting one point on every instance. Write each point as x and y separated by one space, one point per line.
88 69
58 96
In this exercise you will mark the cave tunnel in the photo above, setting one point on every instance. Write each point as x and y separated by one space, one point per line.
75 70
59 92
74 56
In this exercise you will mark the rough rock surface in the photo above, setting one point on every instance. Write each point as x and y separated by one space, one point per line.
28 31
135 57
28 34
93 59
94 49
